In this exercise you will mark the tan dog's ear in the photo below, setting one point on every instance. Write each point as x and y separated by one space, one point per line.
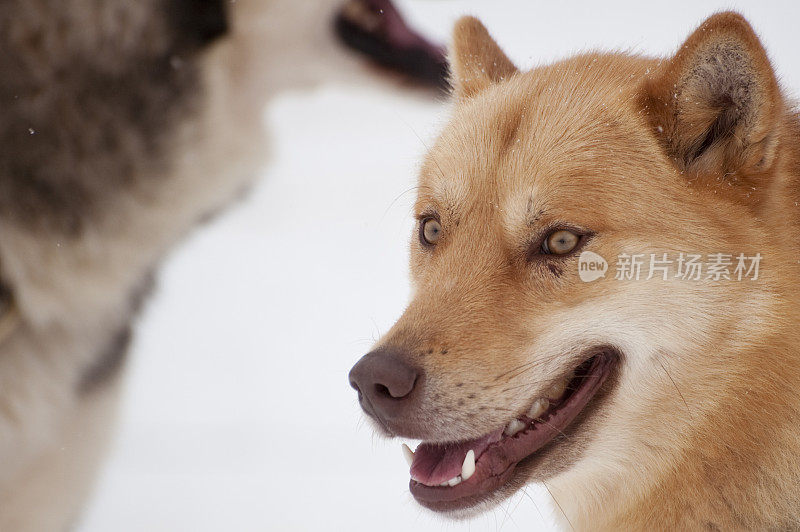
475 59
714 105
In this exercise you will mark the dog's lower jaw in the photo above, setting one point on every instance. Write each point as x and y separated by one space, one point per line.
537 445
698 474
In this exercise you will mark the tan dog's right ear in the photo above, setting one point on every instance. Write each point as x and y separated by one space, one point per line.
475 59
715 105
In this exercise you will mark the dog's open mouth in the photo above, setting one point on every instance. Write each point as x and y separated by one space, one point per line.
459 475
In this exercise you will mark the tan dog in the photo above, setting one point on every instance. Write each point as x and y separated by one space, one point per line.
664 402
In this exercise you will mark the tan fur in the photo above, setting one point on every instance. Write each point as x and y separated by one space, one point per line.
699 429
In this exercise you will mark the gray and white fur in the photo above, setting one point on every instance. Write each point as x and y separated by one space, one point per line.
123 124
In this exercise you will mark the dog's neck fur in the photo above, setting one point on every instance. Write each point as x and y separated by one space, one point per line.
710 478
718 478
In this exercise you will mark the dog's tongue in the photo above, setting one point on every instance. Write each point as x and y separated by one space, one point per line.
436 463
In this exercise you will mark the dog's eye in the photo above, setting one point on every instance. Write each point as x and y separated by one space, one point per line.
430 231
560 242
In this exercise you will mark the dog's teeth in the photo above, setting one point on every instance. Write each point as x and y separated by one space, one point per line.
454 481
443 484
468 467
514 426
538 408
557 390
408 454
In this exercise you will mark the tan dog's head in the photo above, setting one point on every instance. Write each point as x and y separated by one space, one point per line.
519 357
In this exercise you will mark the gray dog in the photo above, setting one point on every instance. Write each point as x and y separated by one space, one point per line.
124 124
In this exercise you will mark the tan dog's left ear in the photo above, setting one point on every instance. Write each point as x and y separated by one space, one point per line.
475 59
714 105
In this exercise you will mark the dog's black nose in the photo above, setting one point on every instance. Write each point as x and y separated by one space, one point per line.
384 382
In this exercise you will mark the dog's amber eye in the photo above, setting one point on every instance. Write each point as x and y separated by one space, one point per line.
430 231
560 242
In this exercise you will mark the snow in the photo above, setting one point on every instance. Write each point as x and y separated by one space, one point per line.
237 414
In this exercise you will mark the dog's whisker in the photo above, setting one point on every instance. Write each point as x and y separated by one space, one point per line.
554 427
528 495
395 200
688 410
559 505
516 371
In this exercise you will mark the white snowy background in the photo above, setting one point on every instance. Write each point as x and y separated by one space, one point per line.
238 415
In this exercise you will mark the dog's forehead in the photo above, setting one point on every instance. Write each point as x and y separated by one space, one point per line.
533 141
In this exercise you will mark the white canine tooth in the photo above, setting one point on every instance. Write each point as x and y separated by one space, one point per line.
557 390
538 408
454 481
468 467
408 454
443 484
514 426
